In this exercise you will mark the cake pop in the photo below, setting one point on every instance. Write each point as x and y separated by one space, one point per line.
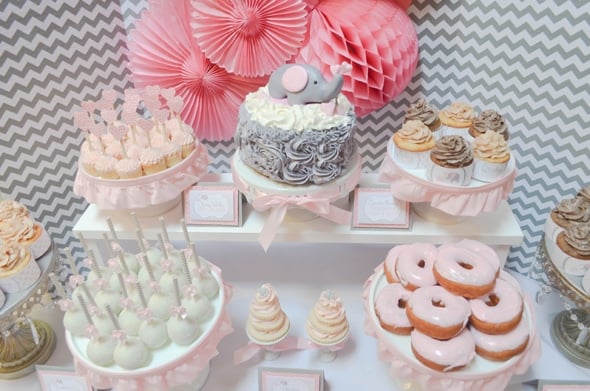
197 306
182 329
105 294
99 317
128 317
130 352
100 348
159 302
152 331
74 320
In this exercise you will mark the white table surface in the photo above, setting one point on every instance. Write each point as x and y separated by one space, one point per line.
300 272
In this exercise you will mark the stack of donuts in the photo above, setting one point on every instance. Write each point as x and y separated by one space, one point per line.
454 302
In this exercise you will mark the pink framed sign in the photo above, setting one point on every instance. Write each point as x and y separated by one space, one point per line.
213 205
287 379
375 207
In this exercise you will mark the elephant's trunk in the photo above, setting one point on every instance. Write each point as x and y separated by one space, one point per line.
331 89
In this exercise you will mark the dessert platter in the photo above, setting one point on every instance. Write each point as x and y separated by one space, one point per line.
27 256
139 157
455 170
452 340
564 256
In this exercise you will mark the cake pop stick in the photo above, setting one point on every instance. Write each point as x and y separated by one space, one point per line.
75 278
154 256
166 279
58 286
112 229
99 317
73 317
152 331
187 237
164 230
196 305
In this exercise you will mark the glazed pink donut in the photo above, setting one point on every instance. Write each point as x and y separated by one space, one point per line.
499 311
389 265
502 347
488 253
463 272
390 308
436 312
414 265
447 355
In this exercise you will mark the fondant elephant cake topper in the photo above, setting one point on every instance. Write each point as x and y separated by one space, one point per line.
302 83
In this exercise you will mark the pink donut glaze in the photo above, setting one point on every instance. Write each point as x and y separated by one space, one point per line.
414 265
452 353
448 265
488 253
389 308
509 304
456 309
391 262
502 342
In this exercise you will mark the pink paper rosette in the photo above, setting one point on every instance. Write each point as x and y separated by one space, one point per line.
383 53
249 37
163 52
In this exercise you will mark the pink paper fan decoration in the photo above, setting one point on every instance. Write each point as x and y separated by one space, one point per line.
163 52
383 53
249 37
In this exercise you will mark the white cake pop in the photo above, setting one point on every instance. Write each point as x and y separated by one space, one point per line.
147 257
74 319
105 294
128 318
100 348
182 329
152 330
130 352
99 316
197 306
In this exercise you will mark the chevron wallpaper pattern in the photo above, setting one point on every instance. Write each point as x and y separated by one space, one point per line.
528 61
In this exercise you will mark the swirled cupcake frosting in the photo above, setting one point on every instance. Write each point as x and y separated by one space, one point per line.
459 112
11 254
415 132
422 111
573 209
490 120
266 320
577 236
10 209
491 146
584 193
327 321
451 152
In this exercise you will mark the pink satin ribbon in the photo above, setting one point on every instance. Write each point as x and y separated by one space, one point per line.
251 349
278 205
309 344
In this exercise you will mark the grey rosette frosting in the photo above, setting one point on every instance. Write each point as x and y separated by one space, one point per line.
451 152
574 209
422 111
295 157
491 120
577 236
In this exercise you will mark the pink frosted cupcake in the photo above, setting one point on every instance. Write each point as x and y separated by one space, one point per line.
129 168
186 142
172 152
88 160
105 167
152 161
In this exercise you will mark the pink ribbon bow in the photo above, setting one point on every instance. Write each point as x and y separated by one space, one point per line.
278 206
251 349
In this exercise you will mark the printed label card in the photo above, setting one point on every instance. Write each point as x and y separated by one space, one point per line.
213 205
375 207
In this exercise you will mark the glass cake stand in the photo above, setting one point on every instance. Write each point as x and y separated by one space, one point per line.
570 329
25 342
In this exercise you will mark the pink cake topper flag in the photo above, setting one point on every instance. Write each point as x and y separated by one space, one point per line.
249 37
82 121
88 105
163 51
383 53
119 131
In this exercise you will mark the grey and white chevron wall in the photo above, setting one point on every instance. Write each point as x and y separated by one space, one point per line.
528 60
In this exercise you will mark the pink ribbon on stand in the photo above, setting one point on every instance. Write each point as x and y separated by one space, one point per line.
252 348
278 206
309 344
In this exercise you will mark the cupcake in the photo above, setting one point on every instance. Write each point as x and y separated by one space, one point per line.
88 161
412 145
451 162
129 168
571 210
105 167
425 112
575 241
456 119
152 161
584 193
490 157
489 120
186 141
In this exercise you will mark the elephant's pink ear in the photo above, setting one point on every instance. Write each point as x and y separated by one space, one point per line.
295 78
